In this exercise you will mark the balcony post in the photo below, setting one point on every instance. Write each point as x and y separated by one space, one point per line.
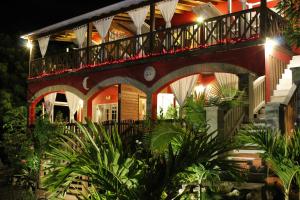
89 41
31 58
152 25
119 107
263 18
202 35
229 5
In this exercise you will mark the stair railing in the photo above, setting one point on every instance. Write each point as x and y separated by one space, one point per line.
232 119
277 68
259 92
290 110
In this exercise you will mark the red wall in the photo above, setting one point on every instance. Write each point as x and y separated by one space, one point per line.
251 58
102 97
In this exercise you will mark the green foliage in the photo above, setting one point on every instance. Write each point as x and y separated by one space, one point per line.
176 153
290 9
186 149
280 151
16 142
194 113
13 74
172 112
45 134
13 68
197 177
27 178
98 155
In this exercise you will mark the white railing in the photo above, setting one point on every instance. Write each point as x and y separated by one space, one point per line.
259 93
233 119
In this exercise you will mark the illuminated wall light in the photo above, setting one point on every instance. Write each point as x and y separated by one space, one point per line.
200 19
270 44
200 89
29 44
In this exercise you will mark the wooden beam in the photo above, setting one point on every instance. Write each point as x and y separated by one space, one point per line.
95 18
184 7
125 28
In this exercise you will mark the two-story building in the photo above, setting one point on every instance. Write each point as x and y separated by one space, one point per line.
139 57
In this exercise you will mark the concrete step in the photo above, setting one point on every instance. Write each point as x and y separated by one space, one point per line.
248 152
259 125
296 58
260 115
285 81
262 110
283 86
260 120
288 72
286 76
295 62
281 92
278 99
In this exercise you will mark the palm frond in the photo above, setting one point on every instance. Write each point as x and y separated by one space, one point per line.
97 155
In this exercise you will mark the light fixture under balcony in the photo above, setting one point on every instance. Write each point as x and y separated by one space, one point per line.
200 19
270 44
29 44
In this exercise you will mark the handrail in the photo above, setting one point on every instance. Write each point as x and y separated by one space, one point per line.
290 110
221 30
290 95
259 93
232 119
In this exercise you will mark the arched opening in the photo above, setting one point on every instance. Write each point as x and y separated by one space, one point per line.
174 93
117 102
58 104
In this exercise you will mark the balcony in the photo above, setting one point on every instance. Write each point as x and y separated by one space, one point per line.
246 25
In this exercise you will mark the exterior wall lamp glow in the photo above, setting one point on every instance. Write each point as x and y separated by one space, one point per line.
270 44
29 44
199 89
200 19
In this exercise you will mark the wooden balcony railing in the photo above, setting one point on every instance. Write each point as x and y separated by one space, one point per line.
259 93
221 30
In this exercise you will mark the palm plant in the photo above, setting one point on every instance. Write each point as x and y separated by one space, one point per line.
281 152
190 153
176 153
290 9
99 156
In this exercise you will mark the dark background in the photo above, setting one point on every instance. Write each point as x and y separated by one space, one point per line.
20 17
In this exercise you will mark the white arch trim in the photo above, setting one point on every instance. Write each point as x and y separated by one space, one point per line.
117 80
56 88
195 69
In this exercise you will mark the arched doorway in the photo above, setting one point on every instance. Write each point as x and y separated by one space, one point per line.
117 102
59 103
173 94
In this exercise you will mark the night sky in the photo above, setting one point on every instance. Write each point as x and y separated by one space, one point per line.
21 17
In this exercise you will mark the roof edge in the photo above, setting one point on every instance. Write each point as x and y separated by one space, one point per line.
107 11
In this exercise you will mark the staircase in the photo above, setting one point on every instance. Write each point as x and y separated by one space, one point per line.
249 155
286 82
